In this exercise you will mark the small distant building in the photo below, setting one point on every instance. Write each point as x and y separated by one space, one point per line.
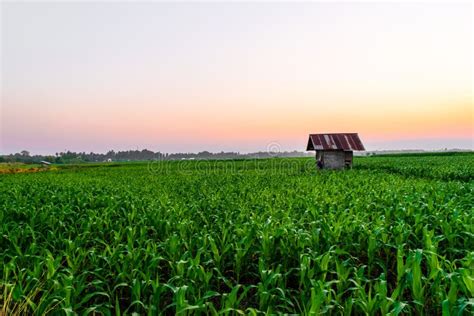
334 150
45 163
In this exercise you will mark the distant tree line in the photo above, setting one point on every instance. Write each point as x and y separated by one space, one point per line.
137 155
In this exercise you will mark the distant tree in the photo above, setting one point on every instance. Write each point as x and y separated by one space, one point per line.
25 153
49 158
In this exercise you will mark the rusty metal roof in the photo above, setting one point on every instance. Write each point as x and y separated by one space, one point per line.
334 141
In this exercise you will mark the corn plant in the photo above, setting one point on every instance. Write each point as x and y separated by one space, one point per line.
393 235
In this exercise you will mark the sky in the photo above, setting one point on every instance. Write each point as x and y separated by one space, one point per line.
187 77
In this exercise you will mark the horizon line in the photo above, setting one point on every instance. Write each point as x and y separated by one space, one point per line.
245 152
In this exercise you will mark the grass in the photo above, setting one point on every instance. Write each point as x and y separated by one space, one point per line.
393 235
17 167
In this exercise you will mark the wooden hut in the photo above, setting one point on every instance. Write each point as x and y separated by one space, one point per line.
334 150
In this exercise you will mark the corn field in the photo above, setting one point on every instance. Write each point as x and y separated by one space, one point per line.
393 235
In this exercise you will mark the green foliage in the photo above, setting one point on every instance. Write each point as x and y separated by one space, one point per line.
240 237
443 166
